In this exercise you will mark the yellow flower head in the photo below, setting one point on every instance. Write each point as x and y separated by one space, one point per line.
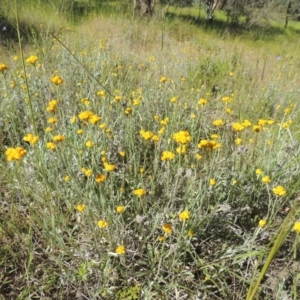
102 223
15 153
31 138
139 192
51 146
212 182
85 115
32 59
218 122
296 226
227 99
48 129
266 179
146 135
262 223
94 119
101 93
3 68
238 126
198 156
238 141
279 190
57 80
163 79
256 128
167 155
80 208
182 137
161 238
108 167
202 102
120 209
100 178
51 106
184 215
167 228
59 138
120 250
128 110
258 172
67 178
52 120
89 144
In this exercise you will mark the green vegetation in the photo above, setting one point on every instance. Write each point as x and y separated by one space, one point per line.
136 167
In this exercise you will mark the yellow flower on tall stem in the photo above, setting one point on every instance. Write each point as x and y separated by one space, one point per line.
32 59
184 215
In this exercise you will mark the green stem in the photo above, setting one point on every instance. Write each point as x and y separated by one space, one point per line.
24 69
285 230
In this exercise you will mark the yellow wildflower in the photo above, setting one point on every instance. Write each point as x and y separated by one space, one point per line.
15 153
3 68
31 138
58 138
32 59
167 155
266 179
108 167
80 208
120 250
296 226
89 144
279 190
212 182
102 223
227 99
100 178
262 223
182 137
139 192
57 80
52 106
167 228
218 122
52 120
51 145
120 209
184 215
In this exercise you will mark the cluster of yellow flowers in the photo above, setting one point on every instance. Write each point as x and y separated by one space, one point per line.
51 106
167 155
89 116
15 153
31 138
148 135
182 137
209 144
